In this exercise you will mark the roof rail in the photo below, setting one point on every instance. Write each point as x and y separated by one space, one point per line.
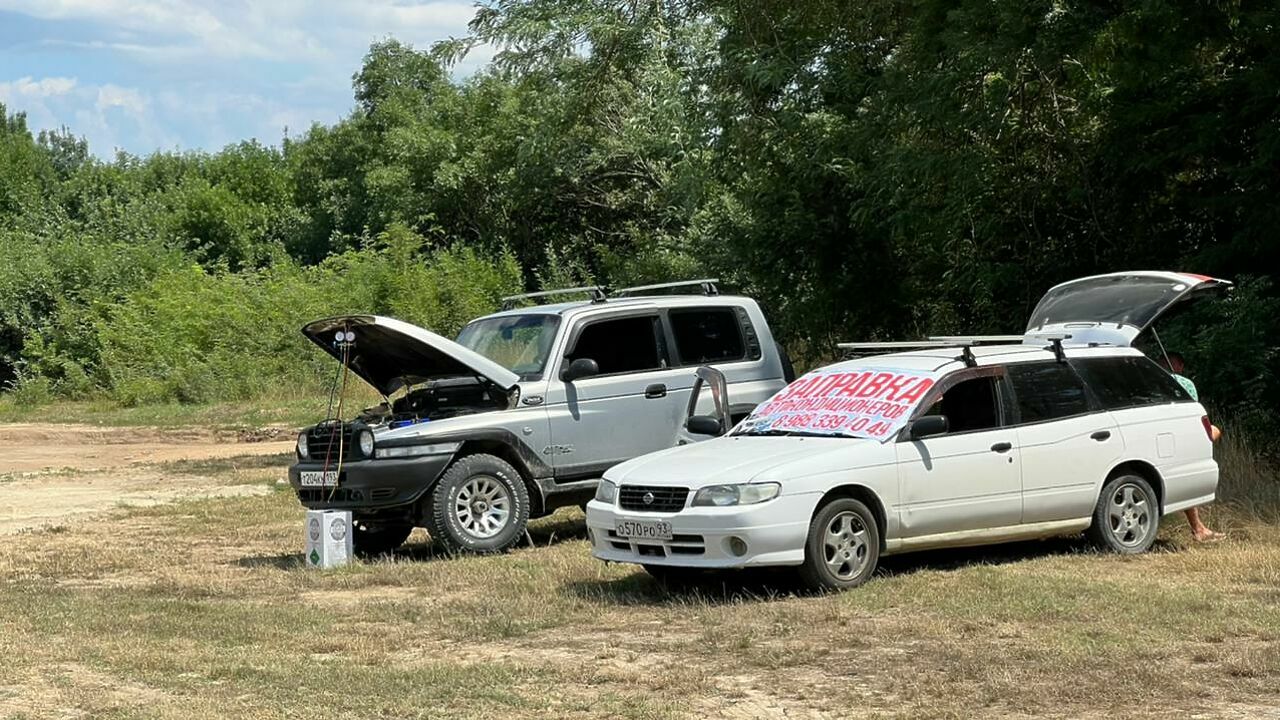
935 341
707 286
980 339
595 292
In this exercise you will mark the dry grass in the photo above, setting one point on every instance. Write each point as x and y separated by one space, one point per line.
204 609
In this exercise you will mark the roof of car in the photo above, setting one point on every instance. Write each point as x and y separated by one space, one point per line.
949 358
625 302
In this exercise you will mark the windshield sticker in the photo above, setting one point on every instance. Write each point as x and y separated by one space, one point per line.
873 403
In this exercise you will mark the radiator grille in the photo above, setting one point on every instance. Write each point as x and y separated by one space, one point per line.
652 498
324 439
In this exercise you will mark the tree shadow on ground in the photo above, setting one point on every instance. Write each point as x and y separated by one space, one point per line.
764 584
562 526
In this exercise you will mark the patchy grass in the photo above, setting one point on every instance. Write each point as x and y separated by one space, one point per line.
204 609
293 411
231 465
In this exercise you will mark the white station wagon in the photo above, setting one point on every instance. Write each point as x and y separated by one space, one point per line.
951 442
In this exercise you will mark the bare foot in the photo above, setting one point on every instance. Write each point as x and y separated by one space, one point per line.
1207 535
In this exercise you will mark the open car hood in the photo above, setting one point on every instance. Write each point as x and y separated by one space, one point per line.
390 354
1114 309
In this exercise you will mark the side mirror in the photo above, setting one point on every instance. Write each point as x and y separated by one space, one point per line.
703 425
580 368
928 425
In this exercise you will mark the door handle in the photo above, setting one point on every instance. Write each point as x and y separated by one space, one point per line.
1002 447
1101 435
656 390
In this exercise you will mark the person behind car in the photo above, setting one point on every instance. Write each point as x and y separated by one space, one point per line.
1176 365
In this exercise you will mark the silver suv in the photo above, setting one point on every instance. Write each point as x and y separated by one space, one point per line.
524 412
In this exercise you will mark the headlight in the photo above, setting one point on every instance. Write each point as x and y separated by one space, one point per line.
746 494
366 443
606 492
303 451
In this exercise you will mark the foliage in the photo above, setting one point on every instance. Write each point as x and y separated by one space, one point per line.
195 336
883 169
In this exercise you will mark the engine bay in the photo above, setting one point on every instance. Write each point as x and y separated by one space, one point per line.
437 400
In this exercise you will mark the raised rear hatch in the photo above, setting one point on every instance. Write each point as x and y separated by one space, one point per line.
1116 308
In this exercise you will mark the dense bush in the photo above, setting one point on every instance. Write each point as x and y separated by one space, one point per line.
196 336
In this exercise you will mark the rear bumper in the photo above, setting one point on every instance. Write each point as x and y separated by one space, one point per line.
370 484
774 533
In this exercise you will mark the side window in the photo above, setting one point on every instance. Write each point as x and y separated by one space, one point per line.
620 346
1046 391
969 405
1124 382
707 335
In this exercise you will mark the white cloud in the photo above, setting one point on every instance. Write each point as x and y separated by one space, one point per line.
159 74
286 30
26 88
105 114
114 96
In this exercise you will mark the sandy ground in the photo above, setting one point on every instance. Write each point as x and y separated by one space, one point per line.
36 447
50 472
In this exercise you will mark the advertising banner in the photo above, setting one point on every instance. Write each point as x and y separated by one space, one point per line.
869 403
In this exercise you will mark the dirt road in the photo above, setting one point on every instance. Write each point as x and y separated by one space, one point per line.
50 472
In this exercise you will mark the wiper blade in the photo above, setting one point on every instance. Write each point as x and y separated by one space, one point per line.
786 433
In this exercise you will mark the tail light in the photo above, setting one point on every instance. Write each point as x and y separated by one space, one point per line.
1208 427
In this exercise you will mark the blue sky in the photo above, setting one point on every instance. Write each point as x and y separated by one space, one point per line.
146 75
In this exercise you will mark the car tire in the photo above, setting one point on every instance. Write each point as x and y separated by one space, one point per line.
480 505
1127 516
380 540
843 547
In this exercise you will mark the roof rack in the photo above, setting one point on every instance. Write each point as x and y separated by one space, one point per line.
595 292
965 342
706 285
1055 343
934 341
599 293
980 339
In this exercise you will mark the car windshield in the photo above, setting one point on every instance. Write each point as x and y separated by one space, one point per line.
1120 299
519 343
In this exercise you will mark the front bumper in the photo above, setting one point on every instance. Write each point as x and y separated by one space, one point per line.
774 532
370 484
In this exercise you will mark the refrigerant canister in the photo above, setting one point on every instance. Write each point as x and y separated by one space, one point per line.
328 538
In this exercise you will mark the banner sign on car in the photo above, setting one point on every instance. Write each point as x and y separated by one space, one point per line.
869 403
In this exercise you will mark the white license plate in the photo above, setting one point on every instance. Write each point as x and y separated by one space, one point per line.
643 529
318 478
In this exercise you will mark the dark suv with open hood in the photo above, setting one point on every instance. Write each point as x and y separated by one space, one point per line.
523 412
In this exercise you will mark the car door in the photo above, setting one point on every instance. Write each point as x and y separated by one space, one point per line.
1158 421
968 478
1068 444
623 411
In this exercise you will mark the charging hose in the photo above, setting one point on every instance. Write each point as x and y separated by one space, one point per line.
346 367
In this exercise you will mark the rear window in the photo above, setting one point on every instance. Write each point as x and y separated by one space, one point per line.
1047 391
707 336
1127 382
